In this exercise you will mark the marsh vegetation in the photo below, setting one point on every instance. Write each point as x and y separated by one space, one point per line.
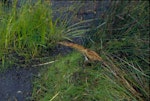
119 34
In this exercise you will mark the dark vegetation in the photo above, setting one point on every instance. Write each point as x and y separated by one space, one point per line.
120 35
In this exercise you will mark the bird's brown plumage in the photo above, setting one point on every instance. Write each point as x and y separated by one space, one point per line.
91 55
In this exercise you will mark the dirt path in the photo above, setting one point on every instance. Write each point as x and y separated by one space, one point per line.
16 83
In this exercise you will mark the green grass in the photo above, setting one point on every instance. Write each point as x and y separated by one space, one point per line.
125 38
121 39
67 80
30 31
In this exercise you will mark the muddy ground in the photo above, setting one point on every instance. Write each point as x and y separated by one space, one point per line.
16 82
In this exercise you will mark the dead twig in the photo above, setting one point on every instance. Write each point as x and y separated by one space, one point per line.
46 63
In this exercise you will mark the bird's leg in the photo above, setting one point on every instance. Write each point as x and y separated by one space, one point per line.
86 61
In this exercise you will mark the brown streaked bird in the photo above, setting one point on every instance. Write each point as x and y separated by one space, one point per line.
89 54
93 56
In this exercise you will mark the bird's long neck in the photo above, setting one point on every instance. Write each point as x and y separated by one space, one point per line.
75 46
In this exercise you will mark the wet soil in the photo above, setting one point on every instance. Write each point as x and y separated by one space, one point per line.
16 82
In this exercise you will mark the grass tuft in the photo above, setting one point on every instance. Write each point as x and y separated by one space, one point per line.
29 31
68 77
